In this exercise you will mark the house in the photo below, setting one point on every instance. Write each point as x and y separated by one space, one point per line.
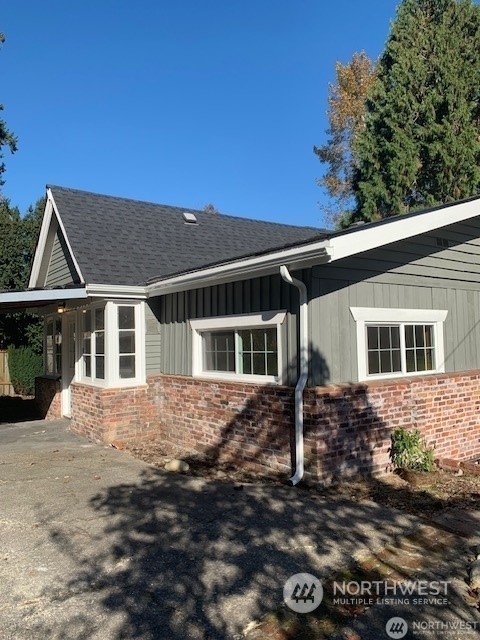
291 350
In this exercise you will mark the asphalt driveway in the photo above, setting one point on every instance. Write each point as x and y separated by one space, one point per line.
96 544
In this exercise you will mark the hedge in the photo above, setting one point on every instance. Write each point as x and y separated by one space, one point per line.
24 366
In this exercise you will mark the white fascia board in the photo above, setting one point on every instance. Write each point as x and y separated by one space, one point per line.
40 249
65 237
296 257
42 295
116 291
401 228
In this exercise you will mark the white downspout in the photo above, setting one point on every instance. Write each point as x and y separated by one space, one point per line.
302 380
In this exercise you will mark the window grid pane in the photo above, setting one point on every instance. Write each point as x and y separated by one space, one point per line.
49 348
384 351
93 343
87 343
126 342
258 348
53 347
242 351
219 351
420 351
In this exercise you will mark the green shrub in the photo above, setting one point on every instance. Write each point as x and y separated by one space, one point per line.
24 366
408 451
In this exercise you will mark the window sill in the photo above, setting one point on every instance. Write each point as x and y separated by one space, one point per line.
400 374
115 384
251 379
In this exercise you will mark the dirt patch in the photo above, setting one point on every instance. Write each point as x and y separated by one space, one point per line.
442 490
445 491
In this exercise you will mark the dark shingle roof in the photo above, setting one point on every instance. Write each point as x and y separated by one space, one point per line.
129 242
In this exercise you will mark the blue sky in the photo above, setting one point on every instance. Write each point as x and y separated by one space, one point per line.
182 102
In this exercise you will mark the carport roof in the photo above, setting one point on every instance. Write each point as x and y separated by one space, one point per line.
38 298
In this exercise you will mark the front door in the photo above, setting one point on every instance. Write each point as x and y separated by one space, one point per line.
68 364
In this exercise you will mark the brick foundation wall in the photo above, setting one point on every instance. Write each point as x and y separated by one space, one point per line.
244 424
48 398
115 414
347 427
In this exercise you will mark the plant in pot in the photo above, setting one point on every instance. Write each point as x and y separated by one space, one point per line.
413 460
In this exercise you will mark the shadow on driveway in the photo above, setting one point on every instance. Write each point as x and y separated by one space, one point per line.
98 545
183 558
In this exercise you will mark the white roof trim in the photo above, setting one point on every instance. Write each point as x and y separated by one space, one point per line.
50 210
42 241
246 267
116 291
401 228
43 295
339 246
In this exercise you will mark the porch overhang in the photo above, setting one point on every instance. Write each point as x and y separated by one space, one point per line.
38 298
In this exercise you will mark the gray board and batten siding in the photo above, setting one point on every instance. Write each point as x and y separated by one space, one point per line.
174 310
438 270
61 270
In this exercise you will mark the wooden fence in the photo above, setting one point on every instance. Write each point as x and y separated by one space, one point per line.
6 388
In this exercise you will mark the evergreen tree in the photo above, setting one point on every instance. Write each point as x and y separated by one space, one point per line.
18 238
7 139
12 264
421 142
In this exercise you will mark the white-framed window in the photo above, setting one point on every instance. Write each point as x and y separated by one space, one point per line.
53 345
112 344
244 347
399 342
93 343
127 324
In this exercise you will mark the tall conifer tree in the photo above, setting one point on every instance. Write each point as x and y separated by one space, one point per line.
7 139
421 142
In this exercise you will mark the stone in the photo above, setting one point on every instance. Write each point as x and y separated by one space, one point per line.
179 466
475 574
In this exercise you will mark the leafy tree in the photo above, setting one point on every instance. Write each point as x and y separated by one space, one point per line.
421 142
12 266
18 237
346 117
7 139
31 223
